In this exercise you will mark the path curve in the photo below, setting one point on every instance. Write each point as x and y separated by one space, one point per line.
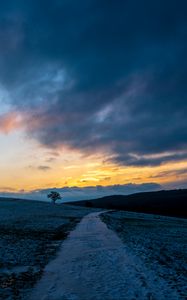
94 264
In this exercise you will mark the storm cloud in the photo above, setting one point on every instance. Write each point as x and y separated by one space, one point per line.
99 75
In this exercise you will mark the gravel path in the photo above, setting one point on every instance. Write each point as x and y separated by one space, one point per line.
94 264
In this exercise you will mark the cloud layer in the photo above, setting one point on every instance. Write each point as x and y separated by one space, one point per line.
77 193
99 75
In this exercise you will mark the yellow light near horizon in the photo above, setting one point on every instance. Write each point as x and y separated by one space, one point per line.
24 168
31 179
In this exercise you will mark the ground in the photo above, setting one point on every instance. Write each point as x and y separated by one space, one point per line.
160 242
94 263
62 252
30 234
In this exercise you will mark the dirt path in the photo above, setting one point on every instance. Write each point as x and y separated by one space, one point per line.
93 263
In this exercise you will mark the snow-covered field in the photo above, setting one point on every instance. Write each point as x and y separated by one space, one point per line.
160 244
126 256
30 234
94 263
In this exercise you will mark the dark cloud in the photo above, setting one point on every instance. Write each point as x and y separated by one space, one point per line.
44 168
40 168
99 74
148 159
177 173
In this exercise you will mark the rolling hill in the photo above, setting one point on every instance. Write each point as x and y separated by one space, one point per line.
170 203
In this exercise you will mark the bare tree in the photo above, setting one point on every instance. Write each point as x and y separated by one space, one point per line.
54 196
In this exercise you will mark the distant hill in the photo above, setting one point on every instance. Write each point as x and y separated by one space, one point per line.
170 203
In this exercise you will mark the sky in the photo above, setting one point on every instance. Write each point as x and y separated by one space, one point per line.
93 96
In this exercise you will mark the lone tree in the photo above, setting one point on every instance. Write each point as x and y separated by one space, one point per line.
54 196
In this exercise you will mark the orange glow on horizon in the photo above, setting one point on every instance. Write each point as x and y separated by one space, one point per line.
29 166
62 174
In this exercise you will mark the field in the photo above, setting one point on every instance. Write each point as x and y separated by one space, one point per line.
143 257
30 234
159 243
